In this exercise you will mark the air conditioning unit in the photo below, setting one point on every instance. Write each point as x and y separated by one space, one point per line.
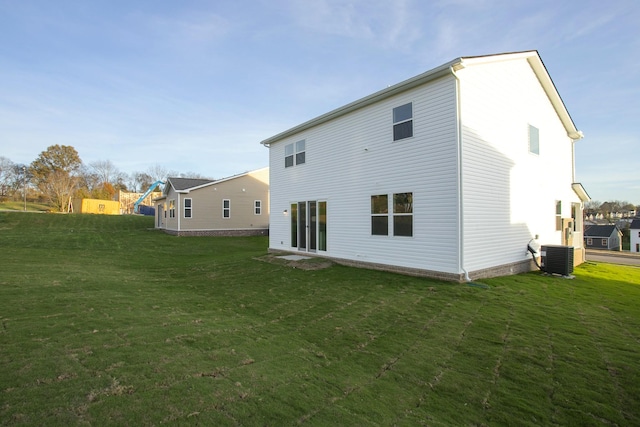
556 259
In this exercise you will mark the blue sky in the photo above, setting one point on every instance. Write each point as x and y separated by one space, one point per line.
131 81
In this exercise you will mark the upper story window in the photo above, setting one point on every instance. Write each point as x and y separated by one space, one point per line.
403 122
534 140
257 207
294 153
187 208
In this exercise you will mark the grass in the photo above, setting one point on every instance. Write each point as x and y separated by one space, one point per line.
105 321
20 206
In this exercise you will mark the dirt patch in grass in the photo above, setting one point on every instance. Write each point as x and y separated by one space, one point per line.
312 263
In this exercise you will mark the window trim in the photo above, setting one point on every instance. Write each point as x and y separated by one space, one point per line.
383 214
172 208
605 242
401 121
391 214
226 210
257 207
295 153
402 214
189 208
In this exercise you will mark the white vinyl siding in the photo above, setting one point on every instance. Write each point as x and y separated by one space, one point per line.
354 157
509 195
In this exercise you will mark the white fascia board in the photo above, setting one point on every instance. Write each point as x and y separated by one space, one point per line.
367 100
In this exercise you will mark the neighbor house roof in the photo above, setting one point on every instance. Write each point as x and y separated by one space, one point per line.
635 224
451 67
599 230
182 184
185 185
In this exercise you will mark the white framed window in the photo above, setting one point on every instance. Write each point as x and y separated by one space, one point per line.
403 122
604 242
402 214
380 215
257 207
187 208
226 208
534 140
589 241
172 208
295 153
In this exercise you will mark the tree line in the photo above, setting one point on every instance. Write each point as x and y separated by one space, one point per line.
58 174
611 209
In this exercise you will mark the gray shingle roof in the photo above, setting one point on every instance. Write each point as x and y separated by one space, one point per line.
599 230
180 184
635 224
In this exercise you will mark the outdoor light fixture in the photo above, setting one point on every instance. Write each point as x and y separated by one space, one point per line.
286 212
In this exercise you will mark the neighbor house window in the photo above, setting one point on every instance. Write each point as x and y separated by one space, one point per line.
403 122
257 207
534 140
403 214
187 208
172 208
604 242
295 153
226 208
380 215
558 215
589 241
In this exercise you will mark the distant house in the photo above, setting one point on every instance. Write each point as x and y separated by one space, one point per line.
448 174
234 206
607 237
634 230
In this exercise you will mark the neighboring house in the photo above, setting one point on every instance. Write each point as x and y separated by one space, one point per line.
449 174
603 237
234 206
634 231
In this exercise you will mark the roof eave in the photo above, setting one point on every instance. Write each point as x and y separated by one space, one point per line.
367 100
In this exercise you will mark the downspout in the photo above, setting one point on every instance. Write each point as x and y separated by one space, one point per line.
179 212
460 169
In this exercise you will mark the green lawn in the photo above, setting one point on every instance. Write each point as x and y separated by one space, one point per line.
105 321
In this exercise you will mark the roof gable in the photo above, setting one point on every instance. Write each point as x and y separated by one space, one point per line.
635 224
449 68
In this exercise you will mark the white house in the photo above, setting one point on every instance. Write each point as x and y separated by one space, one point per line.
634 231
449 174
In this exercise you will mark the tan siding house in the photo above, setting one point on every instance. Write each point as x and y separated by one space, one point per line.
234 206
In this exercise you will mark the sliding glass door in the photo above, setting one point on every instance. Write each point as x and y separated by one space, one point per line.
309 226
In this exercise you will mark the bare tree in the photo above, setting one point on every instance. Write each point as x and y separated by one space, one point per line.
160 173
105 171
